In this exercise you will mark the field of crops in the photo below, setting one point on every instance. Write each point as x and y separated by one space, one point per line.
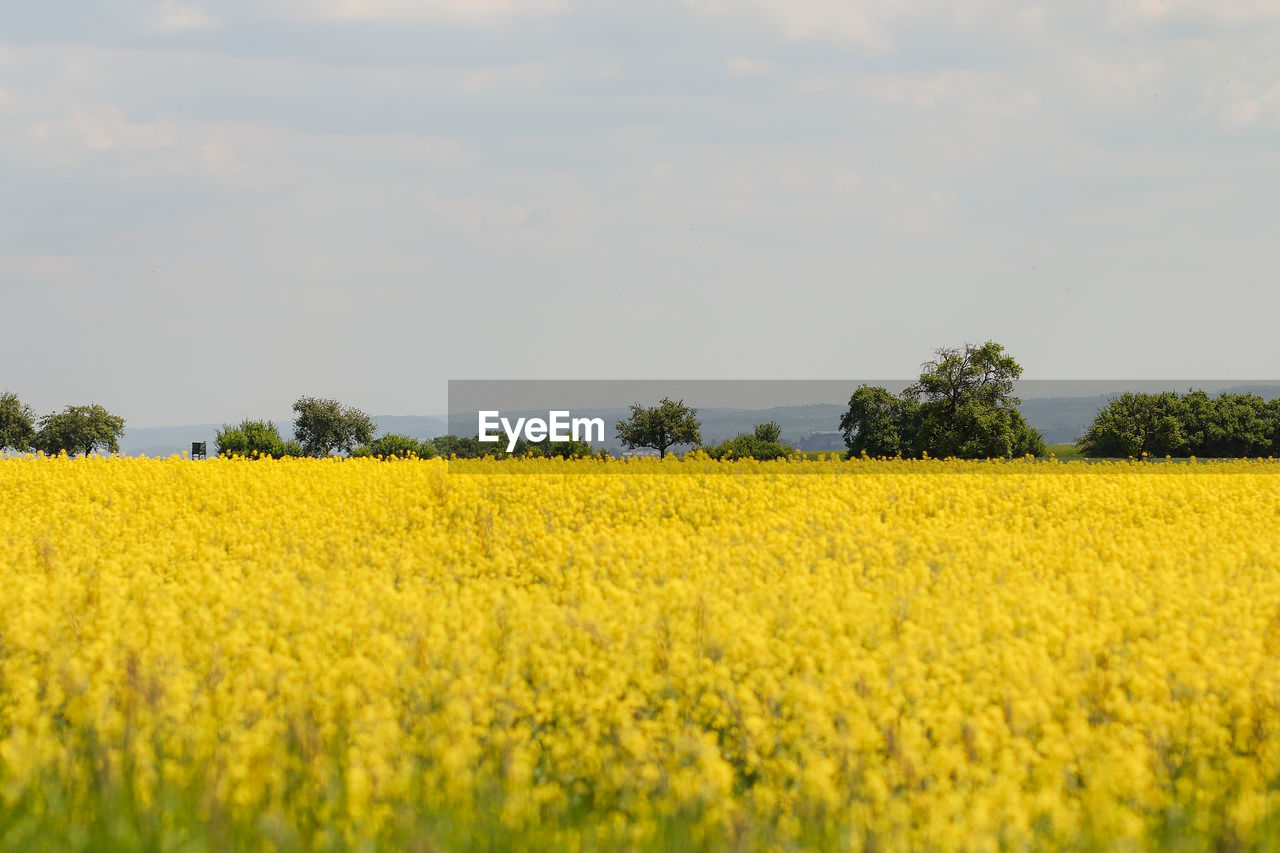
306 654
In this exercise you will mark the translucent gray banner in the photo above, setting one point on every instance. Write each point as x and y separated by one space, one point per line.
807 412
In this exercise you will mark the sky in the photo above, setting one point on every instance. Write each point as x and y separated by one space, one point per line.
212 209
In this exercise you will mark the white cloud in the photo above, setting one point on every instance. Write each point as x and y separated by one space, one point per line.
911 209
80 107
861 23
173 17
973 93
879 25
525 77
745 67
804 187
874 24
407 11
1248 111
1118 79
1221 13
41 267
475 211
129 149
604 71
1242 114
101 129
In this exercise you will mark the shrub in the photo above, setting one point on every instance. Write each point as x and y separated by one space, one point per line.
763 443
395 446
255 439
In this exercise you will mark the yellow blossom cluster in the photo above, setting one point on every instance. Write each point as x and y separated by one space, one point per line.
543 654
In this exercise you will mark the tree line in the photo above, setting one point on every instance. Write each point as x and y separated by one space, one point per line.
321 427
962 406
75 429
1184 425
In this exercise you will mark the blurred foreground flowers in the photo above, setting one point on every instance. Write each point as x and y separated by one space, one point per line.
324 654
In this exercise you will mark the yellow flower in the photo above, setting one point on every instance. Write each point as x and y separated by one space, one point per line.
583 654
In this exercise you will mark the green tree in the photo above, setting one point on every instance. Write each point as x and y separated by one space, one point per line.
1271 412
967 406
255 438
879 424
1133 424
660 427
1240 425
394 446
79 429
571 449
975 431
980 374
1197 416
468 448
1193 424
762 443
962 406
17 423
769 432
323 426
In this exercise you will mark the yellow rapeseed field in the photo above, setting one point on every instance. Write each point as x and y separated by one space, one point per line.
337 654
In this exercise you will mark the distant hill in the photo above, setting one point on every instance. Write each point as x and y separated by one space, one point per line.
1267 391
166 441
414 426
1060 419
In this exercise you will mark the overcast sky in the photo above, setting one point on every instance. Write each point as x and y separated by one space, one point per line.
210 209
